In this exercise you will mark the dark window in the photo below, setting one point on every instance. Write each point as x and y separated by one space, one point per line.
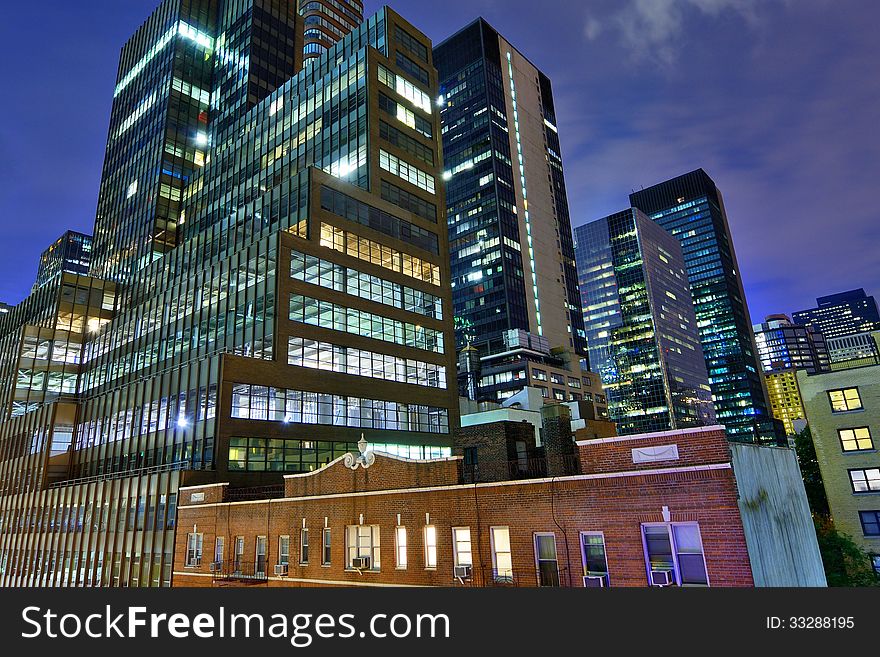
870 522
403 199
595 562
545 555
413 69
406 143
344 206
409 42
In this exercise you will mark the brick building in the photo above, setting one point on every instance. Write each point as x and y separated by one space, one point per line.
843 410
661 507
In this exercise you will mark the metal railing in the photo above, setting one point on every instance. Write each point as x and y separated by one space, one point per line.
122 474
532 467
234 570
253 493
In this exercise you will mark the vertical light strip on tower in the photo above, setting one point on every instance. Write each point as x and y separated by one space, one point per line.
522 182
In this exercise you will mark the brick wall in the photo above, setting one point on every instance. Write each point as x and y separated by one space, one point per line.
614 505
695 447
388 473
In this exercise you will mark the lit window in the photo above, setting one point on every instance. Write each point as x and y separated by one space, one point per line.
406 171
132 189
194 550
400 546
502 561
461 543
865 481
853 440
363 547
430 546
847 399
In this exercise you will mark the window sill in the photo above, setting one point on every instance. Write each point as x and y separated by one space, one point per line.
355 570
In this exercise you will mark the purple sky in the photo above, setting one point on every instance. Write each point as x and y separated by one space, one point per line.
778 100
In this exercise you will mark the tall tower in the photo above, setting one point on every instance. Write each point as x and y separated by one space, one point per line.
640 322
158 136
259 48
512 255
691 208
326 22
785 348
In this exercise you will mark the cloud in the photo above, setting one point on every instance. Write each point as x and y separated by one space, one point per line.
652 29
592 28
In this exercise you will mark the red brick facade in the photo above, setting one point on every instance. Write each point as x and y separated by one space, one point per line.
613 496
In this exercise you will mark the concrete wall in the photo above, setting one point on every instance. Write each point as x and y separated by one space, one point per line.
776 517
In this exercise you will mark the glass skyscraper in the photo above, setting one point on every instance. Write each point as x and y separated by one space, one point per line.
837 315
72 253
785 345
640 323
783 349
691 208
301 302
510 233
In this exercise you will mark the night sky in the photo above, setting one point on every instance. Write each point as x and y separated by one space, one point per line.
778 100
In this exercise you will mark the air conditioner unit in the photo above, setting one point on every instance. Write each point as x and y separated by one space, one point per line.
216 567
281 570
361 563
661 578
594 581
462 572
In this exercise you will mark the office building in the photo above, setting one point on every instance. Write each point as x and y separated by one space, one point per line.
528 362
661 509
71 253
784 345
786 404
783 349
842 314
510 233
691 208
640 324
326 22
851 347
295 309
843 410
